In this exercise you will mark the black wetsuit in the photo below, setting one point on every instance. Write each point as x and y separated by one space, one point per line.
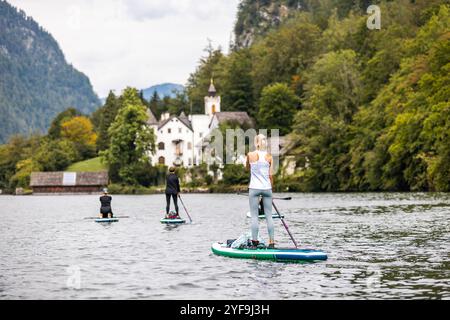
106 209
172 190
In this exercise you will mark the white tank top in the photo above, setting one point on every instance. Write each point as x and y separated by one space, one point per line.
260 173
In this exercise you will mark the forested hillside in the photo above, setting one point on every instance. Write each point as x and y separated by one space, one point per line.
36 82
256 17
368 109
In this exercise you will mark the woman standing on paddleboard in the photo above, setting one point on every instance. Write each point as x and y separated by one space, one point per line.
260 164
172 191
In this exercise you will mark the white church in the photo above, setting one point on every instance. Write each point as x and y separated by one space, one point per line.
179 138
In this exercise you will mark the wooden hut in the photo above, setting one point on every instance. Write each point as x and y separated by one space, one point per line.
68 182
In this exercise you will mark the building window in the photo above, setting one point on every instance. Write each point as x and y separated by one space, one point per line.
162 161
180 130
169 130
190 161
161 146
189 146
179 150
201 134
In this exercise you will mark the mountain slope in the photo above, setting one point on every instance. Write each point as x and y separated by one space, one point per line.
165 89
256 17
36 82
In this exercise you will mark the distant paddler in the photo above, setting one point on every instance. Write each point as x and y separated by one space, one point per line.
172 191
105 209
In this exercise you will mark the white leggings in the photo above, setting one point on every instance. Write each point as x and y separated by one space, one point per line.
254 195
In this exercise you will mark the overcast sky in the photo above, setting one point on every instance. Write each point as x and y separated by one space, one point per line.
139 43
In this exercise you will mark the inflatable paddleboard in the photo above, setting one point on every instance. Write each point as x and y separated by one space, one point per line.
173 221
107 220
279 255
274 216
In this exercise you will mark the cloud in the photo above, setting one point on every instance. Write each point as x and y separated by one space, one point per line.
120 43
157 9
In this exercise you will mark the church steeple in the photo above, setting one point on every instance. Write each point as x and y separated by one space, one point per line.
212 89
212 101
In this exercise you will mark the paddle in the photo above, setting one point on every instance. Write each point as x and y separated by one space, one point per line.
284 199
92 218
185 208
285 225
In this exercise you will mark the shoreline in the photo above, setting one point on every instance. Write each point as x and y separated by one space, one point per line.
211 191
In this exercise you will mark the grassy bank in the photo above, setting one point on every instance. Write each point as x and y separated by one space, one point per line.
91 165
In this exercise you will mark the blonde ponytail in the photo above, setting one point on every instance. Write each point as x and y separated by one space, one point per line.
261 142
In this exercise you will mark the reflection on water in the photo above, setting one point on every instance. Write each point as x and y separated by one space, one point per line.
380 246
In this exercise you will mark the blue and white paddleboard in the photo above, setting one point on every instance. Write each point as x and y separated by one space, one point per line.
107 220
173 221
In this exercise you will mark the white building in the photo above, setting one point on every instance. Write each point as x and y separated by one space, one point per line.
179 138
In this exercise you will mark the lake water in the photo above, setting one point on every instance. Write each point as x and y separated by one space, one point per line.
380 246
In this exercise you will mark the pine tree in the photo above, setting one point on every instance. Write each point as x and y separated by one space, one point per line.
107 115
155 105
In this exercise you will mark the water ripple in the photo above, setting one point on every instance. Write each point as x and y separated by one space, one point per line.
381 246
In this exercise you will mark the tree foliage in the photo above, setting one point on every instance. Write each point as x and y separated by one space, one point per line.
131 139
374 104
277 107
80 132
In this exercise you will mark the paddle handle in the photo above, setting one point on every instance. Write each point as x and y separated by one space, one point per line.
190 219
285 225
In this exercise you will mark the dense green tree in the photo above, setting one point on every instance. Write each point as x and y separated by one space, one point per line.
178 104
54 155
131 139
285 53
277 107
103 118
235 174
237 82
155 105
395 148
18 149
321 129
333 85
80 132
21 177
55 127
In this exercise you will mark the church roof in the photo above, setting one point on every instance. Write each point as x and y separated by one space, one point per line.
183 120
212 88
151 119
183 116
